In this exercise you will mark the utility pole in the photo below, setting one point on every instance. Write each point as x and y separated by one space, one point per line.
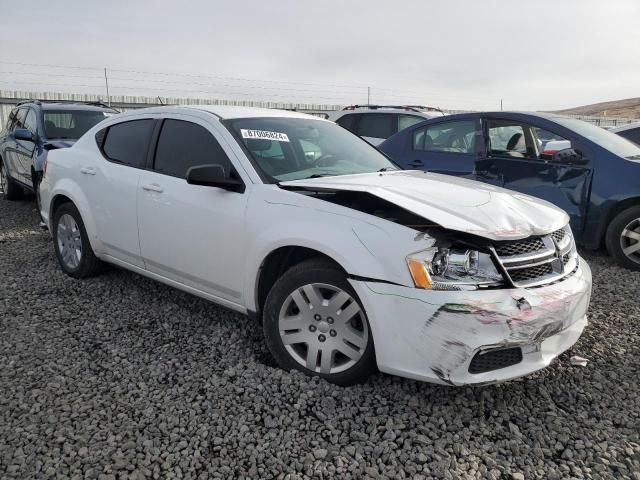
368 95
106 82
500 104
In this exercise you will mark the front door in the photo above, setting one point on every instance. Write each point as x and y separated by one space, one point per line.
192 234
447 147
516 159
26 149
13 158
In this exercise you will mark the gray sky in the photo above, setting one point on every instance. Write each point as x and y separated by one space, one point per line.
543 54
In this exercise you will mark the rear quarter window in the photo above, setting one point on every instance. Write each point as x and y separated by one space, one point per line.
632 134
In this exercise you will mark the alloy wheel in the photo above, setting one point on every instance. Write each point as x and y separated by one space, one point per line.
323 328
630 240
69 241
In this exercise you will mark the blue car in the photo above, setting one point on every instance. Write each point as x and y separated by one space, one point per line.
34 128
593 174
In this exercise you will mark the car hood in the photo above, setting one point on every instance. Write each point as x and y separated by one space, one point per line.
452 202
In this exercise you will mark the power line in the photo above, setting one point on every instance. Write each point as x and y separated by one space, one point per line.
278 85
188 75
283 82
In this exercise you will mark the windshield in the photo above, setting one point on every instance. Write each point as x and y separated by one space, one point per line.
296 148
71 123
612 142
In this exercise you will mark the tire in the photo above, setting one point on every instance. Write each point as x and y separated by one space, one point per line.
37 179
623 238
71 243
10 189
345 347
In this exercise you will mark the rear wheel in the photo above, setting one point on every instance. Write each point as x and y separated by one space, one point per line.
623 238
37 179
10 190
71 243
314 322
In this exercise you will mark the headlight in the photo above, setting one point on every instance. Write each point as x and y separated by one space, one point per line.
452 269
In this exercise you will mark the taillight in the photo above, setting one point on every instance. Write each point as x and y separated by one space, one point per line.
549 152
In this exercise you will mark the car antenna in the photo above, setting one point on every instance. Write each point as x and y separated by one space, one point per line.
160 100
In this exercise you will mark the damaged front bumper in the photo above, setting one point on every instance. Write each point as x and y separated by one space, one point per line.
444 336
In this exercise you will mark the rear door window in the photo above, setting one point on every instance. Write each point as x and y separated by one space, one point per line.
451 137
127 142
183 145
376 125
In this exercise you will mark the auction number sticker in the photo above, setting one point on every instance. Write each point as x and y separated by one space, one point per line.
264 135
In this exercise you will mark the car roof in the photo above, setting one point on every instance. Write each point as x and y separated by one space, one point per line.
47 107
405 110
628 126
52 105
223 111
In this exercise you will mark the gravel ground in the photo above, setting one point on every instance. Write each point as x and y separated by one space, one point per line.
121 377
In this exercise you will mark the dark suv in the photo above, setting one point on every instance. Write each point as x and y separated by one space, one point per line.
34 128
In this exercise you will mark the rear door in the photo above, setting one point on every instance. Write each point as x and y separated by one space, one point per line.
447 147
192 234
111 185
514 160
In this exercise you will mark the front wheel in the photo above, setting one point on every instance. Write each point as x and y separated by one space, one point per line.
314 322
623 238
71 243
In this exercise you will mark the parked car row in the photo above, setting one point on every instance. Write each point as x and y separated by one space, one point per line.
348 262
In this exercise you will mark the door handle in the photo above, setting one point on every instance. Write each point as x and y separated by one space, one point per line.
416 163
152 187
88 171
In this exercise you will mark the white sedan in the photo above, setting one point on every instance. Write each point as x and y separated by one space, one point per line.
347 262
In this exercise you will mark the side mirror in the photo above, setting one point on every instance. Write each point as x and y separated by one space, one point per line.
213 176
568 155
24 134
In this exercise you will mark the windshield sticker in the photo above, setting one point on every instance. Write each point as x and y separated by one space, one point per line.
264 135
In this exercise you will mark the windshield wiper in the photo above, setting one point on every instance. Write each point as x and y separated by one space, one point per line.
316 175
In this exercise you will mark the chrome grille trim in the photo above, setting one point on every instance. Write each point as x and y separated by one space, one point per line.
554 257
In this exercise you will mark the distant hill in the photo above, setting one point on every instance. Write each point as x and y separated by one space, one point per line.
628 108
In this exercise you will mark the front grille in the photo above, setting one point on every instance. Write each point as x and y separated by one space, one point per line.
495 359
530 273
558 235
538 260
519 248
